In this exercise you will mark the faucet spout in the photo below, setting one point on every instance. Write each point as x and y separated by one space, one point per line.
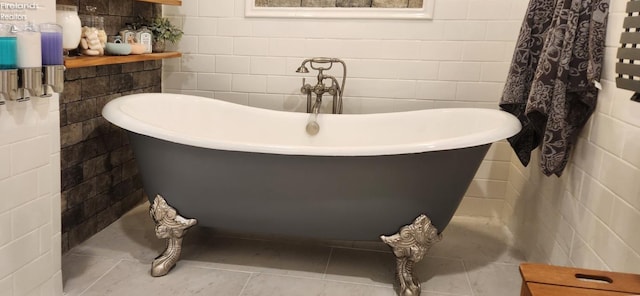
313 127
316 105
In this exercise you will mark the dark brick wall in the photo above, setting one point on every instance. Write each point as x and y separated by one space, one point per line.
100 181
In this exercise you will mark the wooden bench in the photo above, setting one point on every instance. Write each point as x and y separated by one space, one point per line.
548 280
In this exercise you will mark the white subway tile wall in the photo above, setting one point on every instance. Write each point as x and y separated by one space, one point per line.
458 59
30 198
5 161
198 63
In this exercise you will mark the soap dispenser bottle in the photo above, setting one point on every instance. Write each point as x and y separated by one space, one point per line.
8 64
29 60
52 59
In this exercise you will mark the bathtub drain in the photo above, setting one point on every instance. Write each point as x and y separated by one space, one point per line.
312 128
312 125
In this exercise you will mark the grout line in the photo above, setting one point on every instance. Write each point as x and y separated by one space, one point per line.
98 279
81 254
380 285
296 276
324 274
196 264
504 263
442 257
389 286
360 249
466 274
444 293
246 284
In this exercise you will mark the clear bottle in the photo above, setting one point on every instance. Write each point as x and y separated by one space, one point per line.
145 37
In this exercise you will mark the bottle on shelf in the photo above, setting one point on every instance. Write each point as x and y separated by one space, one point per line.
67 17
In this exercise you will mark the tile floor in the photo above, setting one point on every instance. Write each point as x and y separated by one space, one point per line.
474 258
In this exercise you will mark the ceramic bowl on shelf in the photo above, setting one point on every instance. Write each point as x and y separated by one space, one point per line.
113 48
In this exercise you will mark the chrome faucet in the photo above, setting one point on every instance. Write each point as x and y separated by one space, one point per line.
316 106
313 128
335 89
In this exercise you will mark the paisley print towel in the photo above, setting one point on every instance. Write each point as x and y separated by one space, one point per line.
551 83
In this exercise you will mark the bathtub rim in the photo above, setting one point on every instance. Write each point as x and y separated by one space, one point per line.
111 112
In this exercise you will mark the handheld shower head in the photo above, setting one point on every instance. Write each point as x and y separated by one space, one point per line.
302 69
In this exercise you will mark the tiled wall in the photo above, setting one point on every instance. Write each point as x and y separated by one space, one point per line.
30 198
589 216
341 3
100 180
458 59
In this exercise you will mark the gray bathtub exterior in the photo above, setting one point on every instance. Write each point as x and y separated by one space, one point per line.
324 197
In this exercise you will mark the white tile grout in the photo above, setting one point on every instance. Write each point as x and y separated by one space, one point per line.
361 249
326 267
102 276
246 284
444 293
90 255
501 263
331 280
466 274
195 264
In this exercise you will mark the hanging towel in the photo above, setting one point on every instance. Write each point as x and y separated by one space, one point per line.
551 86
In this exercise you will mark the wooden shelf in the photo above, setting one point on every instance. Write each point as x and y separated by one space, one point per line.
88 61
166 2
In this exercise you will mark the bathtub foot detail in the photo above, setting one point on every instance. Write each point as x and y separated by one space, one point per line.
170 226
409 246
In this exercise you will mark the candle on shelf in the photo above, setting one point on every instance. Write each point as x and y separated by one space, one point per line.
51 38
29 47
7 47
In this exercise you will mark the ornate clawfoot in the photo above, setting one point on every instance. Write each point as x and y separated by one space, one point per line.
171 226
409 246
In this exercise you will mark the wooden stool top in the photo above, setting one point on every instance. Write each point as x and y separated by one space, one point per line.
554 280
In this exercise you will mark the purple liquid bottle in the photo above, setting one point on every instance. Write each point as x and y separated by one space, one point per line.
51 36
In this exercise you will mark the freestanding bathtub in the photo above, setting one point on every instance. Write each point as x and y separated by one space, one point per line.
246 169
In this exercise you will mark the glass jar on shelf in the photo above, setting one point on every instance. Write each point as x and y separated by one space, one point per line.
94 37
67 18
